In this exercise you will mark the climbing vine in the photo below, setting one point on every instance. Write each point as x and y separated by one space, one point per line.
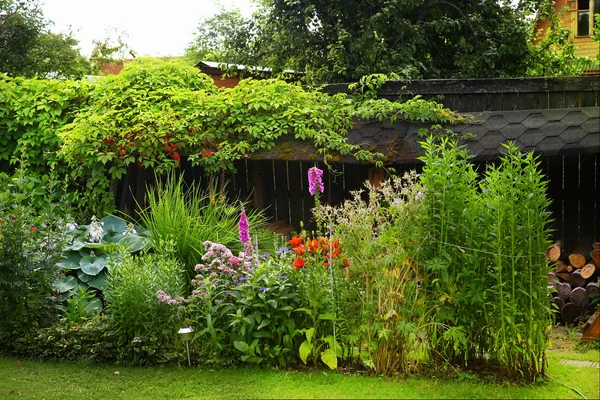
155 112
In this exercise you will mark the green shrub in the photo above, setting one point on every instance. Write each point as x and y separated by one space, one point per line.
31 242
193 216
134 298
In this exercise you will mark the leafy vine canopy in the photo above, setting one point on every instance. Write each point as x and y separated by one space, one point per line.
155 112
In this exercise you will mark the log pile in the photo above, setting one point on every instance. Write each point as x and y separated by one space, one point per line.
574 282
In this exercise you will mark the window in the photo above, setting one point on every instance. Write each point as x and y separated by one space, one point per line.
585 16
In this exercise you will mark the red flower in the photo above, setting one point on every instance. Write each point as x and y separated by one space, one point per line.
346 262
33 228
105 140
207 153
326 264
313 245
169 149
296 241
176 156
298 263
299 249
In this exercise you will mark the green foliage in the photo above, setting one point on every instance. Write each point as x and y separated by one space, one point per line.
263 322
484 260
31 242
154 112
28 48
381 238
132 294
191 216
345 40
218 38
80 307
86 259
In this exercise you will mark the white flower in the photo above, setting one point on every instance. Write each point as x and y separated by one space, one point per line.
130 230
95 233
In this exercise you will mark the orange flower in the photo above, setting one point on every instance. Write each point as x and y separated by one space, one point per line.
313 245
299 249
326 264
298 263
296 241
346 262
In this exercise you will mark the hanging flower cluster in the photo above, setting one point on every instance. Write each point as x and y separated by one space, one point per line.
318 249
315 180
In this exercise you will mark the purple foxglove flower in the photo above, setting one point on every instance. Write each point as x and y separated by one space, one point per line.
244 228
315 180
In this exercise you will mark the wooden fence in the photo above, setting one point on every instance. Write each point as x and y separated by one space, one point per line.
571 161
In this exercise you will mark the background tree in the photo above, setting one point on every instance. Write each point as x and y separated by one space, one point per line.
28 48
112 49
343 40
223 37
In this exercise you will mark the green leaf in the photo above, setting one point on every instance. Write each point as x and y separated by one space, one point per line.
65 284
304 351
264 323
241 346
92 265
135 243
329 358
305 310
272 303
309 334
93 306
83 277
327 316
70 262
98 282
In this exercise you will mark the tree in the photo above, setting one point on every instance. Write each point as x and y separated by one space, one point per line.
342 40
223 37
28 48
113 49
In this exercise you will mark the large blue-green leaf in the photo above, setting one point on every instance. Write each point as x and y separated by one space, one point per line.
113 224
77 244
135 243
65 284
70 262
83 277
98 282
92 265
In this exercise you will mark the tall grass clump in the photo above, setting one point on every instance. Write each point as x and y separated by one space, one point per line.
191 216
485 272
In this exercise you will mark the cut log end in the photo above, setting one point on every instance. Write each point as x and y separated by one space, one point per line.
577 260
554 253
576 280
579 297
587 271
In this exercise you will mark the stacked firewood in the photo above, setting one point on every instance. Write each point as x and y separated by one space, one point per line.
574 281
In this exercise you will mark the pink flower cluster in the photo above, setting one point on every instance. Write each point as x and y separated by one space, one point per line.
244 228
220 263
315 180
164 298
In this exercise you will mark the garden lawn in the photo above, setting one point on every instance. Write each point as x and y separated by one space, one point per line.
37 380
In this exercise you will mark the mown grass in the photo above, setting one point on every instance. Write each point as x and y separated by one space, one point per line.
37 380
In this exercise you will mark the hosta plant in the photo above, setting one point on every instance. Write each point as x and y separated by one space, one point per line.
85 261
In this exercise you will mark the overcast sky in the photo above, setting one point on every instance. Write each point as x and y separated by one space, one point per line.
153 28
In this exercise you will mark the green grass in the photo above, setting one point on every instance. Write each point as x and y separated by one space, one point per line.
37 380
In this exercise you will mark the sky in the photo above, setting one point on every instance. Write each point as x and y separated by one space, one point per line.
152 28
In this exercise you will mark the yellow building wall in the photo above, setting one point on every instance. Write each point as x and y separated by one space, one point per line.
585 45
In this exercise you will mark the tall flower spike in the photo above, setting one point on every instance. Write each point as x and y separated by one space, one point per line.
315 180
244 228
